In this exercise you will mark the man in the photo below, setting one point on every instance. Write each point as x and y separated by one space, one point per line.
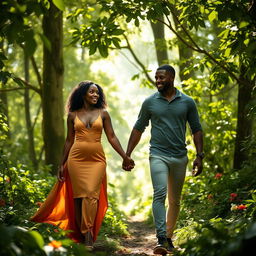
168 110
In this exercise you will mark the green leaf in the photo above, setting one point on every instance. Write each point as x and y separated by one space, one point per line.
93 48
213 16
137 22
38 238
30 46
246 41
243 24
227 52
103 50
117 32
116 41
59 4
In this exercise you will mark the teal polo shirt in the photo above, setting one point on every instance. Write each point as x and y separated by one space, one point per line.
168 123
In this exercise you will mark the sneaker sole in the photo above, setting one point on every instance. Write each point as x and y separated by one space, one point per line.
160 250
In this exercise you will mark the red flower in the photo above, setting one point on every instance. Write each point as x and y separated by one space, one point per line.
233 196
218 175
241 207
2 202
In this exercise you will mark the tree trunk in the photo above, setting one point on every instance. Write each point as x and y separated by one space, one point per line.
52 95
160 42
4 101
30 132
244 121
185 53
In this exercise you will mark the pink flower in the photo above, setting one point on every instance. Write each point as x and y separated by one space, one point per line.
218 175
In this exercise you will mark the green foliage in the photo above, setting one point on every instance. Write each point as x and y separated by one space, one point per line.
100 34
16 240
219 237
218 212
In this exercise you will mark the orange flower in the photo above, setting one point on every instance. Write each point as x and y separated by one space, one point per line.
55 244
218 175
241 207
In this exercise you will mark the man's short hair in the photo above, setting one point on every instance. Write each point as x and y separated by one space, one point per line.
167 68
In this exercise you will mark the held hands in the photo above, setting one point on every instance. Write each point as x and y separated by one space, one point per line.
60 174
128 164
197 166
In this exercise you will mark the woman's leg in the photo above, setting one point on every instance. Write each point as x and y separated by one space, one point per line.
78 210
88 214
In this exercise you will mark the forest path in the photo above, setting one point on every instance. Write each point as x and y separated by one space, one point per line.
141 241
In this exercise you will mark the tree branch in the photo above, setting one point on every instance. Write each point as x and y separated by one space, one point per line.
37 114
28 86
39 79
195 47
138 61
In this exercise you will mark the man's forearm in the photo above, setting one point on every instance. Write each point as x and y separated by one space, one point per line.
133 141
198 141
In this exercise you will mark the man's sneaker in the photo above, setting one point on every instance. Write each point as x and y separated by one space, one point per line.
170 246
161 247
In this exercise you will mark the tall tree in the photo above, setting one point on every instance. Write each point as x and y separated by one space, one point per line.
30 132
160 42
52 94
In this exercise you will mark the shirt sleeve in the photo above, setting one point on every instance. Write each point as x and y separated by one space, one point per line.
143 118
193 117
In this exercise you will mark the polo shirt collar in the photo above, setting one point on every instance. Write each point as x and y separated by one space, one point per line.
177 95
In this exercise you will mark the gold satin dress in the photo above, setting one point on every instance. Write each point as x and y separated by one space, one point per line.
87 169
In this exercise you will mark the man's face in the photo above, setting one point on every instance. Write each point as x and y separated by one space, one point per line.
164 80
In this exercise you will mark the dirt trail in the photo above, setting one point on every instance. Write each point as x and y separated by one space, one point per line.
141 240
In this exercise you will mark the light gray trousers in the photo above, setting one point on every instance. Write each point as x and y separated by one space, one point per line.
168 175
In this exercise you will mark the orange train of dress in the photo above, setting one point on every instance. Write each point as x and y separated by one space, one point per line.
85 177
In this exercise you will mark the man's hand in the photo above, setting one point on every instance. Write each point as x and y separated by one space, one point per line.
60 174
197 166
128 164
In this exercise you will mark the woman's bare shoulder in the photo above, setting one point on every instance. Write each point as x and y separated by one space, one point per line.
104 112
71 115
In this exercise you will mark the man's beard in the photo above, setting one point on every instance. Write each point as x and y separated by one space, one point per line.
165 86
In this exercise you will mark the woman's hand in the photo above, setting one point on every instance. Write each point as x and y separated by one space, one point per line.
60 174
128 163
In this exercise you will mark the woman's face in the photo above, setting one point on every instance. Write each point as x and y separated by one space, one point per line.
92 95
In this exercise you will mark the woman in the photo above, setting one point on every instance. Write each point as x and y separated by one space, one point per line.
84 158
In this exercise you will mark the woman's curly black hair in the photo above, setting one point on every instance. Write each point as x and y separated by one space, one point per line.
76 98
